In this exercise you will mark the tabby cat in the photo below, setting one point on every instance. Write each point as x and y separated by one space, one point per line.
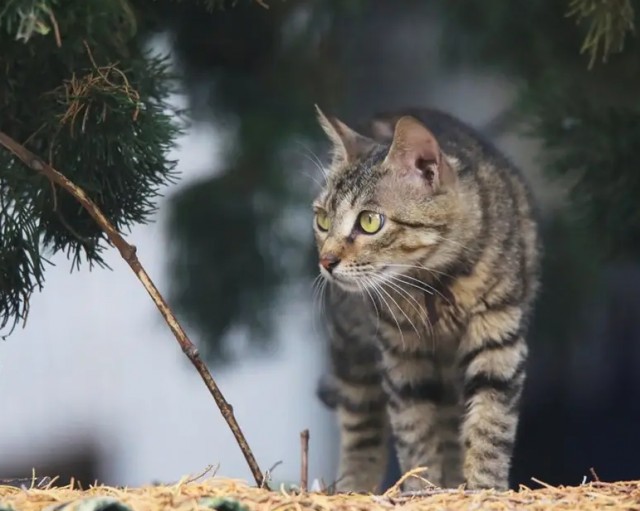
428 244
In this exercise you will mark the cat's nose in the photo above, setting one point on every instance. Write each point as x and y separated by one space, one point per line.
329 262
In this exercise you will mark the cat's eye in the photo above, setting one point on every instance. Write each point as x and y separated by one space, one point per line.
322 220
370 221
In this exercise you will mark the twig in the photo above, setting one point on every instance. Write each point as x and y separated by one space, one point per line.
304 466
395 489
28 483
332 489
128 253
192 479
542 483
269 472
274 466
438 491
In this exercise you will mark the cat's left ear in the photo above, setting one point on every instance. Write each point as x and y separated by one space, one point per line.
348 145
415 151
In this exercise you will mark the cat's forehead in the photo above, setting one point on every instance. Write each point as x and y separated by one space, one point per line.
356 182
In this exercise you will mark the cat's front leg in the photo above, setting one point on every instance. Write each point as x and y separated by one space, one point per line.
492 360
414 391
363 440
360 403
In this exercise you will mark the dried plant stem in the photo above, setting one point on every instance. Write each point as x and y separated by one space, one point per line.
304 464
128 253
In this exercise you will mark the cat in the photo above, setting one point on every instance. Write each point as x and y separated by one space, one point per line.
428 242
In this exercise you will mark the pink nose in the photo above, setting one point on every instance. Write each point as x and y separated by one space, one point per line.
329 262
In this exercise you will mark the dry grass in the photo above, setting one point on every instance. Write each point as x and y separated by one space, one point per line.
188 496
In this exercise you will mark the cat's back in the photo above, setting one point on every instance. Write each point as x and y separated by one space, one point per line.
456 137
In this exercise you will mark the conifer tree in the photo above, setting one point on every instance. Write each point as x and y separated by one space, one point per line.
78 90
82 93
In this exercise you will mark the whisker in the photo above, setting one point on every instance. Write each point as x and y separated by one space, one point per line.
376 288
323 301
313 158
382 278
422 312
431 289
407 296
306 174
382 283
422 286
364 288
317 286
414 282
313 155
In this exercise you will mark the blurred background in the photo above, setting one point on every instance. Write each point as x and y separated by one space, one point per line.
96 387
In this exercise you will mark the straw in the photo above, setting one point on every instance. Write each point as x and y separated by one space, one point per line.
229 494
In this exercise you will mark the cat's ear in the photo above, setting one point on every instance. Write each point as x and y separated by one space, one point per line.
348 145
415 151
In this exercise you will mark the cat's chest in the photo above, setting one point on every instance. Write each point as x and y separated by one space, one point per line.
420 316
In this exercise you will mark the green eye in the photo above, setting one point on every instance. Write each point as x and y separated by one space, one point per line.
370 222
322 221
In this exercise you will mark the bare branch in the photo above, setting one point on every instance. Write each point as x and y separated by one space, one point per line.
128 253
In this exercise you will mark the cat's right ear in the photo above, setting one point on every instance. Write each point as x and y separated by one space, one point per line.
348 145
416 152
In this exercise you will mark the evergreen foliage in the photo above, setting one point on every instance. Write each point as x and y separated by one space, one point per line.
609 21
80 92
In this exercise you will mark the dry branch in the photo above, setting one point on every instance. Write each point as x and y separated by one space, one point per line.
128 253
304 464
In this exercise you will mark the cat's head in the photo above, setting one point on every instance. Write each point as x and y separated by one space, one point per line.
385 207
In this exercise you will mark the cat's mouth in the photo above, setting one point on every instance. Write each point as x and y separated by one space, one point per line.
347 283
373 278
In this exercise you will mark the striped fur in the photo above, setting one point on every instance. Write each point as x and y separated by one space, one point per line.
428 317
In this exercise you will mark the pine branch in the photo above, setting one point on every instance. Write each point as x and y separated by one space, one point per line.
609 22
128 253
21 263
